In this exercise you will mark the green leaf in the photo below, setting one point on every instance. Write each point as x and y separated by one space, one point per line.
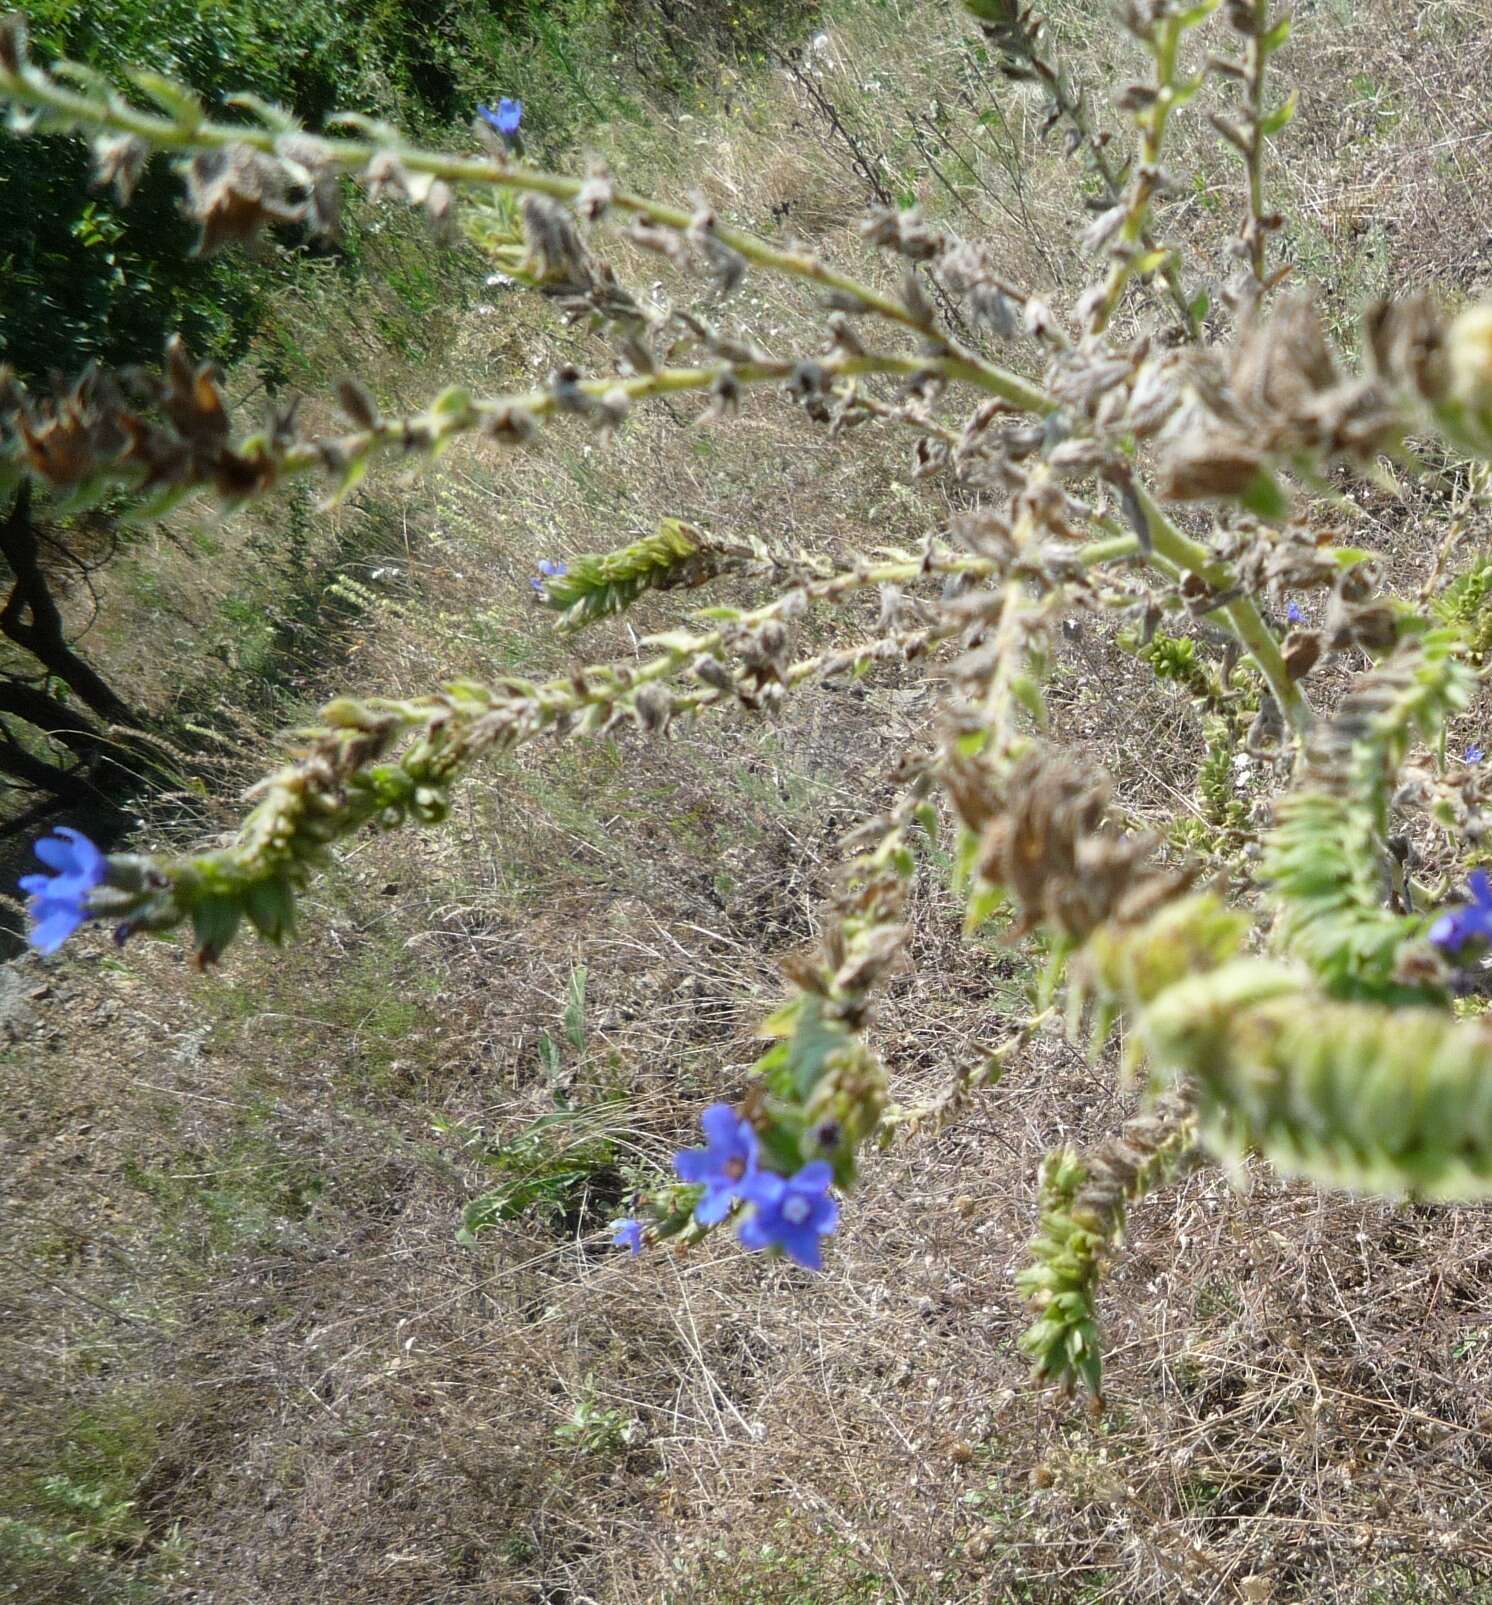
1276 37
352 476
1198 13
1027 691
1185 89
453 402
176 99
575 1009
985 901
926 815
276 118
1272 122
1265 498
812 1044
270 905
215 921
966 855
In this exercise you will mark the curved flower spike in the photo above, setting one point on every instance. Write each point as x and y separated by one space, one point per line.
59 901
792 1213
726 1168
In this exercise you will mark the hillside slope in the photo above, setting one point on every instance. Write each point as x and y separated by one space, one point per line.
250 1362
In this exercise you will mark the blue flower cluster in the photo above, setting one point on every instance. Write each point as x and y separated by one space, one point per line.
1453 931
1295 613
505 119
59 901
1474 754
787 1212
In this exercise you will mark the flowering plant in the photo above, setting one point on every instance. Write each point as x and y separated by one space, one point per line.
1290 978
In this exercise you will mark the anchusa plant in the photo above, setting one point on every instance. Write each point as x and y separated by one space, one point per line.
1155 456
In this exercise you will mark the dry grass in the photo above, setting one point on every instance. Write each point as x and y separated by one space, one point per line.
236 1307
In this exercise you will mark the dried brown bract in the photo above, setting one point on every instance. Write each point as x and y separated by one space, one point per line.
70 437
1046 838
1282 395
119 160
235 193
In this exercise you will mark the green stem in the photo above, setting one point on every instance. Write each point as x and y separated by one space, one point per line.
1241 616
1022 39
458 414
1151 124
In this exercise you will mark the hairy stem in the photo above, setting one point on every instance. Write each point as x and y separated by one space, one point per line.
28 86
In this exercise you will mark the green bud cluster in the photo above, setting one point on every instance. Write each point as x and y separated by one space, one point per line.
1084 1199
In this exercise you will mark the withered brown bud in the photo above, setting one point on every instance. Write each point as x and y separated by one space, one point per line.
358 404
119 160
1302 651
235 193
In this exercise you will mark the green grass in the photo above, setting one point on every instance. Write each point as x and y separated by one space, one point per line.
79 1514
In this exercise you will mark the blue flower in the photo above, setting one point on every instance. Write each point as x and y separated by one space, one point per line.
1451 932
726 1168
1474 754
1294 614
627 1234
792 1213
59 902
548 570
505 119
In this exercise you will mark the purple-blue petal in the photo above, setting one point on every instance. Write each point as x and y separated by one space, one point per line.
73 859
722 1125
814 1177
54 923
714 1206
694 1164
56 855
627 1234
762 1187
801 1244
752 1233
90 860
